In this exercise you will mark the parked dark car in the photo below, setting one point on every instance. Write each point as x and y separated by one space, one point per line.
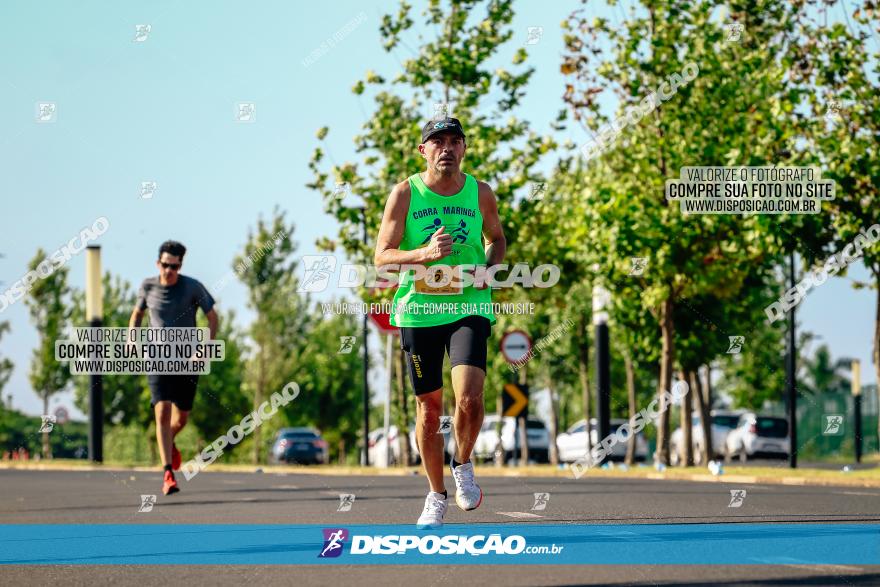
299 445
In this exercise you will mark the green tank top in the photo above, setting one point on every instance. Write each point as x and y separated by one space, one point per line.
419 304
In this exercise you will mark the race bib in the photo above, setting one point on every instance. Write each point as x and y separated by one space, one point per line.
444 279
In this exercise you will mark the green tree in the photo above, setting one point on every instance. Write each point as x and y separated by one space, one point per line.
221 401
278 332
6 365
738 109
49 304
838 58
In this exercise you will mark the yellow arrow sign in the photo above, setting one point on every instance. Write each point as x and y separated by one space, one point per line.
520 401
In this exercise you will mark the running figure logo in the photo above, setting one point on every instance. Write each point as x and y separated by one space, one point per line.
333 539
431 229
462 232
147 503
48 423
737 497
346 500
445 425
541 500
317 270
736 344
833 425
346 344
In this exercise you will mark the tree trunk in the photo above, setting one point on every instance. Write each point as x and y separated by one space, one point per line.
554 427
667 331
631 399
584 374
47 447
687 424
403 412
705 422
259 389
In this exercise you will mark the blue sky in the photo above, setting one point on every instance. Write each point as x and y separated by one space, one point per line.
163 110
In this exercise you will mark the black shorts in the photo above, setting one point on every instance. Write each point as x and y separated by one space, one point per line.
177 389
464 340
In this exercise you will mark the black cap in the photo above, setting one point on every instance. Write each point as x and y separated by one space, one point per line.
433 127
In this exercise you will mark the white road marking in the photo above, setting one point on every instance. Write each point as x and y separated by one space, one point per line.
518 515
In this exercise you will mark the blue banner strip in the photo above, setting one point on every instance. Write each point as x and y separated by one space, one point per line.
569 544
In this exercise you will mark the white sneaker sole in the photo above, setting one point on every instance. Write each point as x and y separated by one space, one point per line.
458 503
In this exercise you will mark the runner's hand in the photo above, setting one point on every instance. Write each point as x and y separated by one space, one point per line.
440 245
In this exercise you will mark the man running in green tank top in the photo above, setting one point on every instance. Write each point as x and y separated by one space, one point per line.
445 219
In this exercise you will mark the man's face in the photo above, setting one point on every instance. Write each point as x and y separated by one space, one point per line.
169 268
444 152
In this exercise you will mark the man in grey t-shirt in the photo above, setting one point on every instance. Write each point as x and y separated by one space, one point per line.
172 300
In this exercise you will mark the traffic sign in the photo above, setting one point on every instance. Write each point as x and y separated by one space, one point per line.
383 321
515 346
515 400
61 415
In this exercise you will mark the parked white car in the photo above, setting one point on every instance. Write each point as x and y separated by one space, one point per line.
572 443
723 421
537 436
378 442
758 436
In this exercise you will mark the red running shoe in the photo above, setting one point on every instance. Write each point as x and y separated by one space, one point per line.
175 457
170 485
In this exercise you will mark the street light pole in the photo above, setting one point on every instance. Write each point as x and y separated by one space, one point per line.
95 319
365 458
857 408
601 300
790 374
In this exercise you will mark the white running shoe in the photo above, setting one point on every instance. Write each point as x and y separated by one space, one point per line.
468 494
435 509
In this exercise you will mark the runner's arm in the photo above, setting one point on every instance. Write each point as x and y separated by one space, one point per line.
136 316
213 322
493 233
391 232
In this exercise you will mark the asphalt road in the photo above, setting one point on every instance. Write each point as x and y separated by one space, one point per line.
96 497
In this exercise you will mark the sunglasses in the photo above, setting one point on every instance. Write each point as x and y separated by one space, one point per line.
175 266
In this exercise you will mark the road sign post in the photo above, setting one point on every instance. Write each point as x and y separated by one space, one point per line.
516 347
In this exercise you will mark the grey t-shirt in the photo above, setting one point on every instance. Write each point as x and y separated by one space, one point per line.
174 305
